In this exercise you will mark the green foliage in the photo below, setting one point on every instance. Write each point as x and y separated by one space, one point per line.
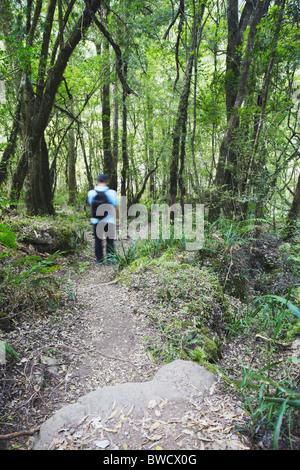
146 249
28 285
277 299
275 316
126 257
269 402
228 232
7 237
4 202
11 352
271 394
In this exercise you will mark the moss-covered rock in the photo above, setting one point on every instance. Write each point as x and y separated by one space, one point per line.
208 346
47 234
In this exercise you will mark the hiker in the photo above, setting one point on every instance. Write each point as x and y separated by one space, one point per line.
103 202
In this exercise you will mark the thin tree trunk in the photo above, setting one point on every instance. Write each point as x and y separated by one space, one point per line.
115 151
179 128
106 131
236 29
124 174
10 147
150 144
177 132
293 214
87 168
257 163
18 180
72 163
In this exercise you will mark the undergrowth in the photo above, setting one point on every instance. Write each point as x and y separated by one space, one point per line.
29 284
270 393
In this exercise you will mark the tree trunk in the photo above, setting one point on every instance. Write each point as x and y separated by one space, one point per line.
179 128
150 145
106 131
177 131
39 194
39 110
124 174
18 180
87 168
10 147
257 171
227 171
221 180
72 165
293 214
115 151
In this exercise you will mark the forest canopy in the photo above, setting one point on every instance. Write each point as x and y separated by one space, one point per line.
177 101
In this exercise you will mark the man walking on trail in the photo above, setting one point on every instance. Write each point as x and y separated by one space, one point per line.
103 202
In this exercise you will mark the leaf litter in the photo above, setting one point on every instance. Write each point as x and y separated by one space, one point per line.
97 341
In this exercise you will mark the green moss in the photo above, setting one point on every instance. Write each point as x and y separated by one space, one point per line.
207 347
210 348
210 367
47 234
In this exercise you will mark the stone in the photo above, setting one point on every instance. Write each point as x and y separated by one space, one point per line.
177 383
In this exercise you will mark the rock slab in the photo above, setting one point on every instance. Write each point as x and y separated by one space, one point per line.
167 396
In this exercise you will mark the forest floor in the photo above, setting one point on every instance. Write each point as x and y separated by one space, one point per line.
98 340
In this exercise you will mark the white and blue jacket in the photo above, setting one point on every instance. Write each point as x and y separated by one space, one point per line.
112 199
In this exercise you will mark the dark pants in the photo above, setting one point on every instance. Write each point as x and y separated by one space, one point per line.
110 242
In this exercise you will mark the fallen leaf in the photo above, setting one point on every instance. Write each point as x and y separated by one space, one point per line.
154 426
113 414
111 430
130 411
154 437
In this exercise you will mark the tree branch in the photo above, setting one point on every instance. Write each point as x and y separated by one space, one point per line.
127 90
20 433
140 193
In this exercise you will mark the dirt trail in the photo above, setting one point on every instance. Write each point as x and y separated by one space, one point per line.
99 343
114 320
111 331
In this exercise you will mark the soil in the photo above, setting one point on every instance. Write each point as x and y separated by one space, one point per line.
97 340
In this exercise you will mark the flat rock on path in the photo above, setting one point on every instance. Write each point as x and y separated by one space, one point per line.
131 415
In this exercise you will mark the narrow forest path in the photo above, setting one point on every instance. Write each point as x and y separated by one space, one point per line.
98 344
112 322
111 333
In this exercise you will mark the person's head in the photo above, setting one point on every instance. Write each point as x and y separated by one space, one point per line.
102 179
